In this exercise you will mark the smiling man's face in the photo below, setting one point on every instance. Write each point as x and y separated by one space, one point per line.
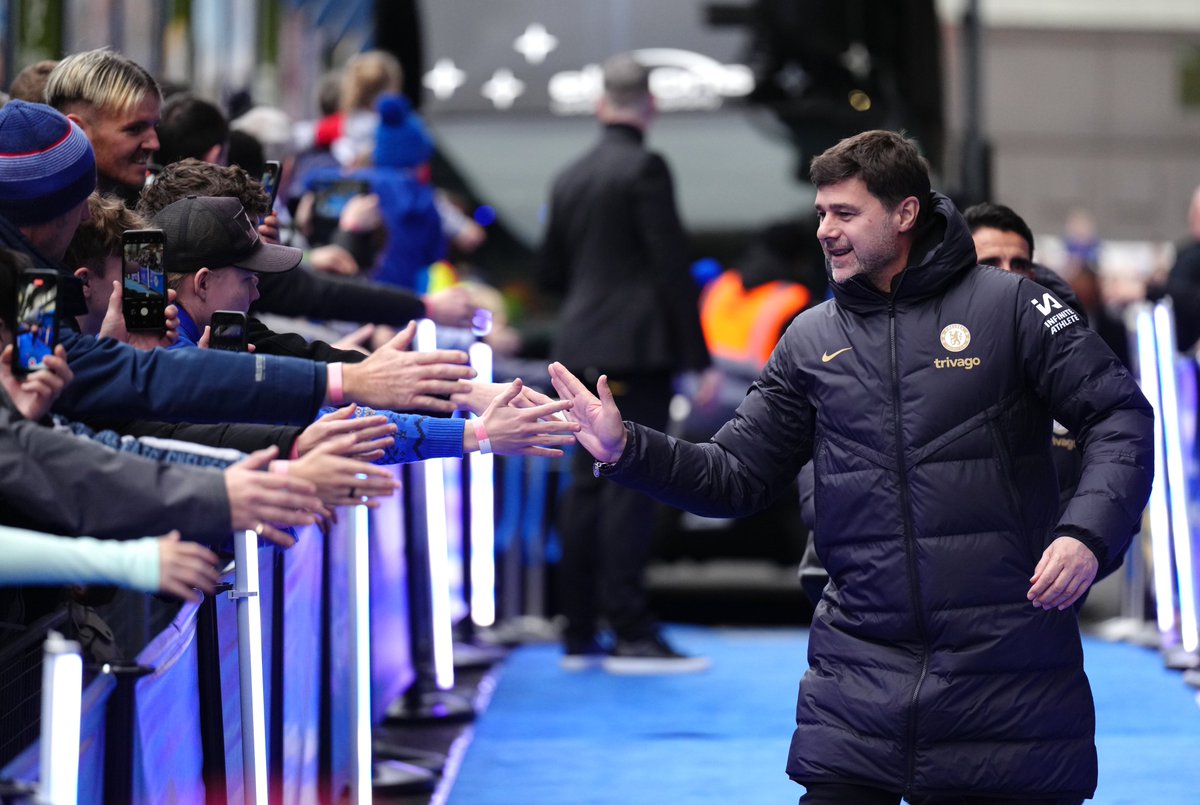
124 141
859 235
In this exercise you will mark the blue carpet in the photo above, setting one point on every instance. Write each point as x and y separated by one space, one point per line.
551 738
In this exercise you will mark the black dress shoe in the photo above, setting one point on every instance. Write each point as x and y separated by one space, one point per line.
651 656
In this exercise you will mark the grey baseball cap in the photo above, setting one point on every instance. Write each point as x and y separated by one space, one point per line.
215 232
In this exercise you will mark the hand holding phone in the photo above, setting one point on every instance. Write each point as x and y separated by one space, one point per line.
228 331
144 291
37 320
270 180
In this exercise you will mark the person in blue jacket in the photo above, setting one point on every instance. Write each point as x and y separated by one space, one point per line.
945 661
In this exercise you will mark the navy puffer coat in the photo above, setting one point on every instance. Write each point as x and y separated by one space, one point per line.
928 416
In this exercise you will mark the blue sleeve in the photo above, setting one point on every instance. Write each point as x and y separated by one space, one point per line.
193 385
417 437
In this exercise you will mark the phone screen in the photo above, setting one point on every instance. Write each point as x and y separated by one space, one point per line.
37 320
144 294
270 180
330 199
228 331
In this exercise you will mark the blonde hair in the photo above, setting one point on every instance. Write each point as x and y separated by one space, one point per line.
368 75
102 80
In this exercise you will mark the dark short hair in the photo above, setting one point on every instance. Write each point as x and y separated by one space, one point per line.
626 80
997 216
191 177
189 127
30 83
889 164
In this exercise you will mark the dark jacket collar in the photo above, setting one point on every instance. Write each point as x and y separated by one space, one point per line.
942 250
623 132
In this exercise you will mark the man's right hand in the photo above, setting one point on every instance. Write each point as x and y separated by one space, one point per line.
261 501
396 379
601 430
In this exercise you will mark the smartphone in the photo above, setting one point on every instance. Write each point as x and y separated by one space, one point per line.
329 199
270 180
37 319
144 294
228 331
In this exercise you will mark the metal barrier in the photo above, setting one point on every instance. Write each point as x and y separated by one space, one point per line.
268 690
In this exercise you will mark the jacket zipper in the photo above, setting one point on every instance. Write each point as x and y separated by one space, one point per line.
910 553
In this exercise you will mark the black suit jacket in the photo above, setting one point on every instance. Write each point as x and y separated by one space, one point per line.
616 250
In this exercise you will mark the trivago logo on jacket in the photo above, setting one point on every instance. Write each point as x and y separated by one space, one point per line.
955 338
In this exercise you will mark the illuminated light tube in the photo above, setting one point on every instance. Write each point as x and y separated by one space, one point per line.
62 693
360 586
1160 515
482 560
250 667
1181 529
435 521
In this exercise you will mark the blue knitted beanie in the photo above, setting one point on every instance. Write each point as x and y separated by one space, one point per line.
47 166
401 140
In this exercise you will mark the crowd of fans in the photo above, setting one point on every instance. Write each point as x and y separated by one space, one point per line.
123 430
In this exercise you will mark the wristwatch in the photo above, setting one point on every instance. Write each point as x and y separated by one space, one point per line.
602 468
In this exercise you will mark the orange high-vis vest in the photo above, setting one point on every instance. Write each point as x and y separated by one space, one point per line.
743 326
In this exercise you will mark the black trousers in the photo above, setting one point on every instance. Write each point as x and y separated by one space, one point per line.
842 794
606 529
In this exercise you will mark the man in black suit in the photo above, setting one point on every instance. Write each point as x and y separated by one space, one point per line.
616 250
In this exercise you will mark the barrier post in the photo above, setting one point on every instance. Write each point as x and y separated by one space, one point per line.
250 666
62 694
208 677
429 696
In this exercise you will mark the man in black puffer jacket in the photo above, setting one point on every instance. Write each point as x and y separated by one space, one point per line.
945 663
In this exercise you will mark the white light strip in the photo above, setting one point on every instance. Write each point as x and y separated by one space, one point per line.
483 514
250 666
435 519
62 693
1160 515
1181 527
360 586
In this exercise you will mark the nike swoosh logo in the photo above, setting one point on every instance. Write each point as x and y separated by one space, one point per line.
827 357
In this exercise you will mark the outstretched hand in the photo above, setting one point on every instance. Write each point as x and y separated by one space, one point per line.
262 501
343 481
601 431
479 396
369 436
1065 572
525 430
395 378
185 567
